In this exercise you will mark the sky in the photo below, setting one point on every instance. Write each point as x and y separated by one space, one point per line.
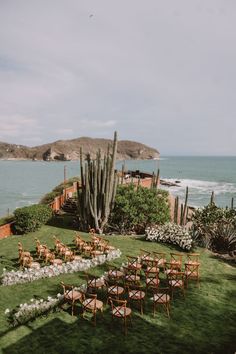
159 72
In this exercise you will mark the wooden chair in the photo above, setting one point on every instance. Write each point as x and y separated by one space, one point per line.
193 258
136 294
144 257
114 274
176 260
131 276
161 297
152 266
121 311
94 284
134 263
91 304
176 281
160 257
192 272
114 290
151 279
170 268
71 295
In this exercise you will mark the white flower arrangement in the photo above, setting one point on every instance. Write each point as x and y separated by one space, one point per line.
30 311
30 274
170 233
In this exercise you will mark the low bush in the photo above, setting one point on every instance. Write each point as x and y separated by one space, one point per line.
170 233
49 197
215 228
31 218
137 207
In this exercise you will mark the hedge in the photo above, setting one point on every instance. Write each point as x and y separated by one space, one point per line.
31 218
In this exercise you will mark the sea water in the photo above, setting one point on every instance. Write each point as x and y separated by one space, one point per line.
25 182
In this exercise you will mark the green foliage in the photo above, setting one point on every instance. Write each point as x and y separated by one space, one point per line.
136 208
215 228
49 197
6 220
31 218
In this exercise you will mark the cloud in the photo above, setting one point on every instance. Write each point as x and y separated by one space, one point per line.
163 73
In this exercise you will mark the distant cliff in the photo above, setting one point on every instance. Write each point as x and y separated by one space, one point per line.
64 150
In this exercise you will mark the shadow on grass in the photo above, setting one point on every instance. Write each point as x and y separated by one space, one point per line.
195 326
229 262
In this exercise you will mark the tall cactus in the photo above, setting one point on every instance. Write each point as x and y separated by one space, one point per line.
176 210
98 188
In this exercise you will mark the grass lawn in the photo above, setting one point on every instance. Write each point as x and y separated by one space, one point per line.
202 323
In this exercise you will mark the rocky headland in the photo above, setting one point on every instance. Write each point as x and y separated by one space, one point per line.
64 150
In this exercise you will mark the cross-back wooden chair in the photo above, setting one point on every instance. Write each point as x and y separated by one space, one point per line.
91 304
121 311
152 266
131 276
176 282
160 257
151 279
137 295
192 272
193 258
176 260
94 284
170 268
161 297
71 295
114 290
144 257
115 274
134 263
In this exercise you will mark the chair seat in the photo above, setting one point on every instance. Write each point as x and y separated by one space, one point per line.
35 265
136 266
170 271
97 253
161 261
161 298
77 258
56 261
115 290
115 273
175 263
152 281
96 283
73 295
132 277
91 304
146 258
121 311
191 274
136 294
153 269
176 283
192 263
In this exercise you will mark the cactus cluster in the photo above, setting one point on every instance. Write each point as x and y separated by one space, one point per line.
183 210
97 190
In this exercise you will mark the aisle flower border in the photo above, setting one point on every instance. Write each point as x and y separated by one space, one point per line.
29 274
29 312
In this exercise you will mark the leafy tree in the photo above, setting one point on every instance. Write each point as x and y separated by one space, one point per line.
137 207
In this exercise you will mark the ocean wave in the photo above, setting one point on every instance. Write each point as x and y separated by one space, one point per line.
199 187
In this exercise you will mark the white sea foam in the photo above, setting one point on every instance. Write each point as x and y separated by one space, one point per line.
200 191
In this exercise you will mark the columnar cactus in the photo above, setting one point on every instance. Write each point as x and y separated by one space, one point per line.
97 192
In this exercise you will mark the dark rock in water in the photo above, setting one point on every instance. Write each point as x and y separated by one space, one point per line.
177 181
168 184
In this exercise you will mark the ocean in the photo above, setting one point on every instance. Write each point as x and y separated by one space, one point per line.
25 182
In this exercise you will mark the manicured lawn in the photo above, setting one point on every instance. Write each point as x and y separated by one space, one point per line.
202 323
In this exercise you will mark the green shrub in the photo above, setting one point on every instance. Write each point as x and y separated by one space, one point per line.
6 220
215 228
136 208
31 218
49 197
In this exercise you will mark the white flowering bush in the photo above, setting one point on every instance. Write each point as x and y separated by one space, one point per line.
30 274
170 233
